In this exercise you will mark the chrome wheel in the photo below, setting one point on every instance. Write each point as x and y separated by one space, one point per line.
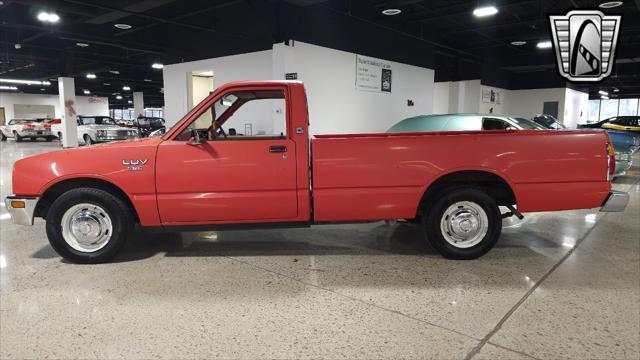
86 227
464 224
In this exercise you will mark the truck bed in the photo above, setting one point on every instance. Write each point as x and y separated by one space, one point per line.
384 176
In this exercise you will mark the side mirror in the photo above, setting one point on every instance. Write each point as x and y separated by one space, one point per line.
195 138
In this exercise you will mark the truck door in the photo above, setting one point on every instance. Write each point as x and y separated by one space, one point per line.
228 165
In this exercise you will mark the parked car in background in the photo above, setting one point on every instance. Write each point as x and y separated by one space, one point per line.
97 129
20 129
624 123
147 125
625 145
463 122
548 122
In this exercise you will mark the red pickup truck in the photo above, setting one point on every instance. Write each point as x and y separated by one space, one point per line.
202 177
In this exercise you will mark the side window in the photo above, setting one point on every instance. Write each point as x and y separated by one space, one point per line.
242 115
462 123
12 122
495 124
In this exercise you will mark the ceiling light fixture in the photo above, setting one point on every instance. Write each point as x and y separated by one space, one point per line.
18 46
129 101
123 26
48 17
3 87
91 76
115 72
86 92
82 44
107 84
544 44
610 4
157 66
126 88
147 80
616 90
518 43
25 82
603 97
391 12
602 92
119 97
485 11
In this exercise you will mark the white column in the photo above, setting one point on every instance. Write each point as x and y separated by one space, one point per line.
138 104
67 96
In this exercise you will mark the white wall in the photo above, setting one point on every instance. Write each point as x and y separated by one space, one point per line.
527 103
485 107
440 98
85 105
335 106
576 108
250 66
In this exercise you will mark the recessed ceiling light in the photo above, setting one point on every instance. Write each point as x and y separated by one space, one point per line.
48 17
18 46
123 26
616 90
115 72
25 82
602 92
43 89
391 12
107 84
82 44
518 43
603 97
157 66
485 11
91 76
610 4
130 102
544 44
147 80
119 97
126 88
86 92
3 87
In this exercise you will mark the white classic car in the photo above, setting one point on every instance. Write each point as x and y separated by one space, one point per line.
26 129
96 129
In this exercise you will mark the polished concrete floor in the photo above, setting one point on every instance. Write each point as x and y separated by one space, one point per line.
558 285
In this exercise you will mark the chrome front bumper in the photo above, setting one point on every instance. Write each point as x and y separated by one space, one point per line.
616 201
21 215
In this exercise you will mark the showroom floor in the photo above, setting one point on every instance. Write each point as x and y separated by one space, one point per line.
558 285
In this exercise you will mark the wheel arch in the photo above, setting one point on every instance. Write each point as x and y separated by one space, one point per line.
496 185
53 191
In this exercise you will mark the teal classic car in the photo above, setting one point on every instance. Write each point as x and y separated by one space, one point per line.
463 122
625 145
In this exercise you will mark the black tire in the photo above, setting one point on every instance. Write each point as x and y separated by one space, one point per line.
60 136
114 207
50 138
2 137
431 223
17 137
87 139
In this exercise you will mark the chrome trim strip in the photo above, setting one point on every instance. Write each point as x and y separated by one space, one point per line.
616 201
22 216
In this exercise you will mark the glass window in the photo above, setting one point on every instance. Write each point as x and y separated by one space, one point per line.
259 114
594 111
608 108
628 107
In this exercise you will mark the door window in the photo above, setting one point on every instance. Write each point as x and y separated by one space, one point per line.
242 115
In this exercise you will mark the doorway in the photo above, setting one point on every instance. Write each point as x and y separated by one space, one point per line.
199 86
550 108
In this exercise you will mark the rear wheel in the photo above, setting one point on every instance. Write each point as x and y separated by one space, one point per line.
2 137
88 225
463 224
50 138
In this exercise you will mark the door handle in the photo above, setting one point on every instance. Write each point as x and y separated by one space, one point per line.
277 149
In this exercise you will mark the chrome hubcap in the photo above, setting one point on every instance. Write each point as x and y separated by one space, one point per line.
464 224
86 227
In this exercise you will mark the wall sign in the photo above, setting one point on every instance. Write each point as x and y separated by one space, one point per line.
373 74
491 96
291 76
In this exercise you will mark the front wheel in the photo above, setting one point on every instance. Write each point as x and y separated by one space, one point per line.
2 137
88 225
87 139
50 138
17 137
463 224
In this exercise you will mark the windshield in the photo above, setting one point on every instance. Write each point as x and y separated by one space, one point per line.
97 120
527 124
17 121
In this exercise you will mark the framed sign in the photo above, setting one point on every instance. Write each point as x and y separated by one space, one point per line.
373 74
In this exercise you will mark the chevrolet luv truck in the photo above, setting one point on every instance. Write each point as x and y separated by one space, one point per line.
198 176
